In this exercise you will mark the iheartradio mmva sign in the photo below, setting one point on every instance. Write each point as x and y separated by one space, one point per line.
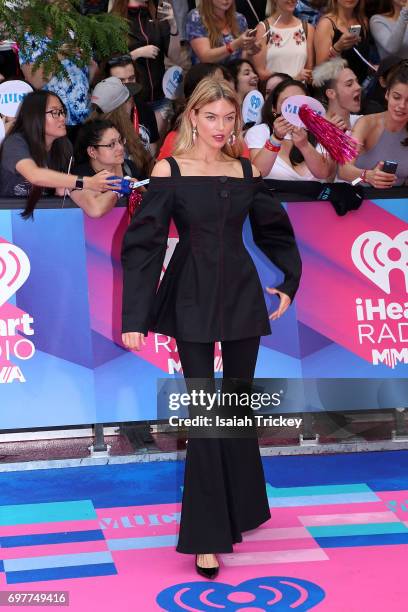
382 323
14 271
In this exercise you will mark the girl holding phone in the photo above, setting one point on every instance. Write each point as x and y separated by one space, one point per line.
383 138
218 34
343 28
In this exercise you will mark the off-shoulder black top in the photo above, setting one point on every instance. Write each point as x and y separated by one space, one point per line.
211 289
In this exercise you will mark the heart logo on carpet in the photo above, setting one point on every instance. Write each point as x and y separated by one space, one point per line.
275 593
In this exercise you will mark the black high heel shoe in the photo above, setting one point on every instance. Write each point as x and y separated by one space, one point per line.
207 572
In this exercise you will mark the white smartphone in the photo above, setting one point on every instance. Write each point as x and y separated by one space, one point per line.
355 30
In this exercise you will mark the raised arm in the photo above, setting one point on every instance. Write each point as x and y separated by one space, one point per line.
259 60
43 177
320 165
213 55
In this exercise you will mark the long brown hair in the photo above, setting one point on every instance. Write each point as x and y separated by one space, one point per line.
209 19
209 90
399 74
358 12
120 7
120 119
386 8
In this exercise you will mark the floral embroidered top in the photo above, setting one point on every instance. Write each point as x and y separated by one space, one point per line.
287 50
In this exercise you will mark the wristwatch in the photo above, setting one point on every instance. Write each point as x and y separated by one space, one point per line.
79 183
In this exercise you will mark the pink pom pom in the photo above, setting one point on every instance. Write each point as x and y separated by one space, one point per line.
341 148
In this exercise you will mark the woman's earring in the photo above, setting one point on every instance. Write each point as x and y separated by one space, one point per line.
194 134
232 139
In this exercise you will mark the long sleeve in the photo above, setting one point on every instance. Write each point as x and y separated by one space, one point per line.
390 36
273 234
143 251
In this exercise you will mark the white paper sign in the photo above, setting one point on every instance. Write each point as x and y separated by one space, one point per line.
11 96
252 107
291 106
173 83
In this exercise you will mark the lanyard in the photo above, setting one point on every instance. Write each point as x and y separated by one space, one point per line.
136 120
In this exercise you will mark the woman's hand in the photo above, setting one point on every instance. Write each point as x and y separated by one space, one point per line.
379 179
148 52
284 303
246 41
165 11
304 75
134 340
346 41
101 181
281 127
299 138
338 121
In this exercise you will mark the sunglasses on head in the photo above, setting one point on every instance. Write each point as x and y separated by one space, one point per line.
120 59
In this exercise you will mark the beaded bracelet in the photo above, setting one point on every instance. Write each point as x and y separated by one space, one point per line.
360 179
333 52
271 146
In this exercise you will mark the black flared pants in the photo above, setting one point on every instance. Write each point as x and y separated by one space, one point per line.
224 485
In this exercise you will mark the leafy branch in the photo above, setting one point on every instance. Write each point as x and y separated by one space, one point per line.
71 34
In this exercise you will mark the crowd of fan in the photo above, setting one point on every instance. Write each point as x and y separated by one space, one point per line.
113 119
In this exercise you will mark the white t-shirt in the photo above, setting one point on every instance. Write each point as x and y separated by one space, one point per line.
2 131
281 170
354 119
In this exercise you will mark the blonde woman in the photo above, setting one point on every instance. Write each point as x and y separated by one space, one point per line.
286 43
210 293
217 33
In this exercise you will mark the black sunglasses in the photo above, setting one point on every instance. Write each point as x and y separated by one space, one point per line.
120 59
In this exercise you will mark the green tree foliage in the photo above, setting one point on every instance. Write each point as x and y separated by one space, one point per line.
79 37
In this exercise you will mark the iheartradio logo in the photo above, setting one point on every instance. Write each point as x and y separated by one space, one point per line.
375 254
14 270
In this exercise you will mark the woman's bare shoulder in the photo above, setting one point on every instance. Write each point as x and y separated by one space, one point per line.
325 23
367 123
162 168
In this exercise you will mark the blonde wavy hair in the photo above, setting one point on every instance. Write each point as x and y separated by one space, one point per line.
209 19
209 90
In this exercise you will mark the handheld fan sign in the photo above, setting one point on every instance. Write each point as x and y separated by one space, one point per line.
252 107
172 83
306 112
291 107
11 96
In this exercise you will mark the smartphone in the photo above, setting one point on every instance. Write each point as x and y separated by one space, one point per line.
390 167
355 30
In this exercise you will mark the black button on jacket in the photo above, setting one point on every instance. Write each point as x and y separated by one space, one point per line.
211 289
